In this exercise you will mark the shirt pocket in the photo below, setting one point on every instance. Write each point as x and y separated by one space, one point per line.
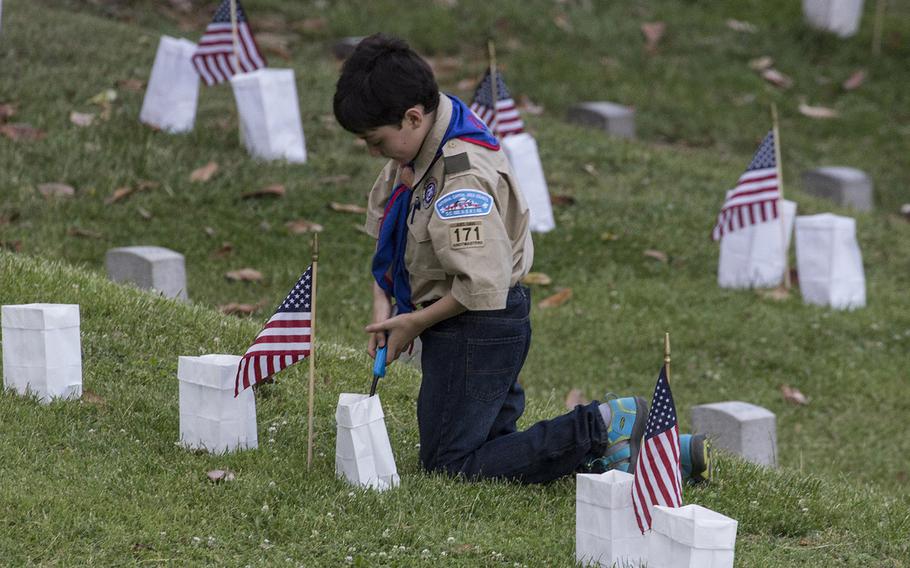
493 365
419 256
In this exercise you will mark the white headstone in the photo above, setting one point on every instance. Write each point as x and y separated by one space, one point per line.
829 262
149 268
606 531
752 256
173 87
837 16
42 350
690 537
741 428
845 186
270 114
617 120
521 149
211 418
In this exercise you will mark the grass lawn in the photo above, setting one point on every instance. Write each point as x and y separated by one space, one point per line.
102 482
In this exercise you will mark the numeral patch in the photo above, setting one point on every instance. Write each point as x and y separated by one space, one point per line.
466 234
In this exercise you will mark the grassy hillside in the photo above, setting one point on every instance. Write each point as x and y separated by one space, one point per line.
701 111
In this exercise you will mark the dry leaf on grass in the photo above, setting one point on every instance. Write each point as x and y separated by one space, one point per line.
217 475
204 173
855 80
277 44
657 255
104 98
562 200
274 190
778 294
244 275
144 213
817 111
83 233
234 309
653 32
591 169
557 299
6 110
740 26
92 398
312 25
538 278
761 63
223 251
55 189
608 236
793 395
209 231
301 226
574 398
131 85
562 22
347 207
777 78
119 194
82 118
22 132
340 178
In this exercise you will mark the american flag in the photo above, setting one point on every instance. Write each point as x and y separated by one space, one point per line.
284 340
658 478
505 120
214 57
754 199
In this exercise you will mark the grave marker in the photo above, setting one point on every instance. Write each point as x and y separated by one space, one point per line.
617 120
149 268
844 186
742 428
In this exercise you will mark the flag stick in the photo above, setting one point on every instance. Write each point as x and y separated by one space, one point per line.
491 47
780 200
309 443
878 27
667 354
235 35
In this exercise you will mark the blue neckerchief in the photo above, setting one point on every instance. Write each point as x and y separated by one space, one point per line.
388 262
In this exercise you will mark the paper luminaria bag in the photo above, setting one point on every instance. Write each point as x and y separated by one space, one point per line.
521 150
211 418
363 453
42 351
173 88
270 114
829 261
752 256
606 532
690 537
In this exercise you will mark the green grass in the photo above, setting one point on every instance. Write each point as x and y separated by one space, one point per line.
103 497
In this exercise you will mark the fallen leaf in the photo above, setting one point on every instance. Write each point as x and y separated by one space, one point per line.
217 475
347 207
274 190
301 226
204 173
223 251
312 24
855 80
104 98
653 32
82 118
591 169
656 255
538 278
556 300
55 189
562 200
528 106
83 233
740 26
131 85
12 246
761 63
119 193
234 309
608 236
793 395
279 44
144 213
21 131
777 78
574 398
92 398
562 22
6 110
340 178
209 231
244 275
817 111
778 294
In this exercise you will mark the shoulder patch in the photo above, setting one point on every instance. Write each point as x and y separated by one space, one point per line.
457 163
463 203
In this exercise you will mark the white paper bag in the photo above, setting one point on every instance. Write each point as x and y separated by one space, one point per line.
270 114
752 256
837 16
606 532
690 537
42 351
829 261
211 418
173 88
521 150
363 454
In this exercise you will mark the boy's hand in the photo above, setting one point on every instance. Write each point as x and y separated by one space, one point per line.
401 330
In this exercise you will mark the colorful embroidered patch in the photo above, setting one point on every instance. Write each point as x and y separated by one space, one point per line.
429 191
464 203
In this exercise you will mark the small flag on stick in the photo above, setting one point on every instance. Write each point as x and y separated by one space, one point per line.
658 478
284 340
754 199
218 57
505 118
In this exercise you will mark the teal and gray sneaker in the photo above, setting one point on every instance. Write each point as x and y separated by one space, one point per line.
628 418
695 454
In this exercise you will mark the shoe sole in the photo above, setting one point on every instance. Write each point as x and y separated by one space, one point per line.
638 432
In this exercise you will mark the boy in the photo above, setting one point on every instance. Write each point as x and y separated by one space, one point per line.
452 239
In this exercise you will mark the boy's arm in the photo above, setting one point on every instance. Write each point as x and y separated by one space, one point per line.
403 328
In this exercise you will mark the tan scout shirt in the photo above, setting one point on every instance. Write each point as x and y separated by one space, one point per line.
477 257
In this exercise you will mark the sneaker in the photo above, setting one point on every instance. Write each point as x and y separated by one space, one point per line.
624 433
695 454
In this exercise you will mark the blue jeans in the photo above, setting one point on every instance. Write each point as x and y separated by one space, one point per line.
470 400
